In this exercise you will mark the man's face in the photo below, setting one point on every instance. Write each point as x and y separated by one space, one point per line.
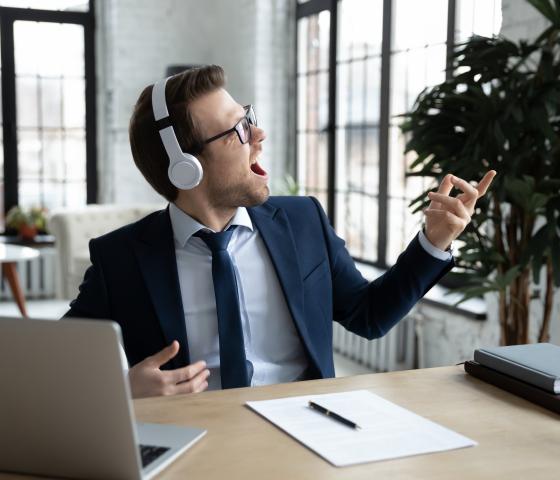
232 175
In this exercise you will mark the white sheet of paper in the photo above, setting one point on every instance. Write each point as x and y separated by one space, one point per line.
387 430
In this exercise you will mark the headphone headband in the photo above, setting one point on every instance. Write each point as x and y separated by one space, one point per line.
159 103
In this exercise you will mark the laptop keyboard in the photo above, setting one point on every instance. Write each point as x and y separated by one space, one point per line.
149 453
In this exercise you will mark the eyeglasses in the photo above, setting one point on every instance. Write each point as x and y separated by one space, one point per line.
242 128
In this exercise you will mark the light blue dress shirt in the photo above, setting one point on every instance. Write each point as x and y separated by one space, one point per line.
272 343
446 255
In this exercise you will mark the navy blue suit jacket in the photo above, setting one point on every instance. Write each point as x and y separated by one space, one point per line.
133 280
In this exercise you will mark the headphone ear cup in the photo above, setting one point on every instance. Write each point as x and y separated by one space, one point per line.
186 172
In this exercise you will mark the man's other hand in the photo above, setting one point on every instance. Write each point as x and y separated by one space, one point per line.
147 380
447 217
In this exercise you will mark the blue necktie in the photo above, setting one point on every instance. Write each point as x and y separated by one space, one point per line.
235 369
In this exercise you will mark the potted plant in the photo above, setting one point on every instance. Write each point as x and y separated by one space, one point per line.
27 222
501 110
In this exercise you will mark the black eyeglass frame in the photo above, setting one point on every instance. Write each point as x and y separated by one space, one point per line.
248 117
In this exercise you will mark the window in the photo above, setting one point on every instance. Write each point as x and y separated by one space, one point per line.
313 106
48 97
360 64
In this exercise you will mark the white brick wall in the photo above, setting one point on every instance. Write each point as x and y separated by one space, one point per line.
138 39
521 20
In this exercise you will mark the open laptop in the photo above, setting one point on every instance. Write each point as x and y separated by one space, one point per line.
65 408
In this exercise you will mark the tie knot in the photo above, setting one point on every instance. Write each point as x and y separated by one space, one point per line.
216 241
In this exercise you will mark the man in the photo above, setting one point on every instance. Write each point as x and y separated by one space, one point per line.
228 287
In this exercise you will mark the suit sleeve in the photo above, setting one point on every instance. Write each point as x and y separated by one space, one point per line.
92 300
371 309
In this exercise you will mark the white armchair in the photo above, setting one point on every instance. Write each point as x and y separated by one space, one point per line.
74 228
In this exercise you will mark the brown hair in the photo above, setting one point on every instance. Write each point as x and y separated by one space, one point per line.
146 145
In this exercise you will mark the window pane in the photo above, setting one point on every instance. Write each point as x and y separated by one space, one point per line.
74 193
31 191
51 102
358 225
402 227
316 164
53 155
479 17
74 107
71 5
373 89
358 92
412 71
313 42
417 24
29 153
49 49
75 155
357 183
27 101
360 28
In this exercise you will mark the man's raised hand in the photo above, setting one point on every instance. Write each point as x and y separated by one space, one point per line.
447 217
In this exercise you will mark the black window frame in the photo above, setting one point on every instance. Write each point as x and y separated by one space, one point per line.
8 15
314 7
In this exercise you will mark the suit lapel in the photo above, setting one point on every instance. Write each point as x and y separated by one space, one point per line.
276 232
155 249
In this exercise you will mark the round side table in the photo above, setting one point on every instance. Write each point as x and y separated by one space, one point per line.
9 256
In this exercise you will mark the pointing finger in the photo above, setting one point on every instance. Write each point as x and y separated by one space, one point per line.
485 182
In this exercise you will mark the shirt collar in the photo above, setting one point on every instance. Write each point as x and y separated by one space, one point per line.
184 226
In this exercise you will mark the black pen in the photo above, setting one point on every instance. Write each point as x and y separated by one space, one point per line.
334 416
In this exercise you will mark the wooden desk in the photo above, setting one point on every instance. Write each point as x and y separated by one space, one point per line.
517 440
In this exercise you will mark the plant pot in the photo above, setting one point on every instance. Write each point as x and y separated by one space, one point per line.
27 232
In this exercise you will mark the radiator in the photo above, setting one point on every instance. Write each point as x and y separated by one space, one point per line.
36 277
394 351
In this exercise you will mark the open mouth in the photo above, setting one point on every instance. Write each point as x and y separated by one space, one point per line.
258 170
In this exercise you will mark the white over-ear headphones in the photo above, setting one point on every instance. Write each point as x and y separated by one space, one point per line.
185 171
